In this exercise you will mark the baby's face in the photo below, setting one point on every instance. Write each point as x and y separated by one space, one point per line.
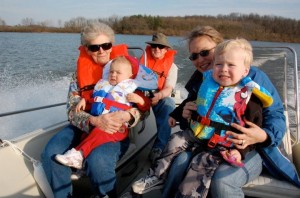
229 67
119 72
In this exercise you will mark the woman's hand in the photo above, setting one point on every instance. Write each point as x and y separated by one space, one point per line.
188 108
110 122
251 135
80 106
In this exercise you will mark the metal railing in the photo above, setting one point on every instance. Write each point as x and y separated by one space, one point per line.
31 109
296 106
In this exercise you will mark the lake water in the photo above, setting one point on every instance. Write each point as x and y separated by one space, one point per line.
35 69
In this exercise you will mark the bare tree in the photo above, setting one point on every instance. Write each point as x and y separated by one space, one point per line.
76 23
59 23
2 22
46 23
27 21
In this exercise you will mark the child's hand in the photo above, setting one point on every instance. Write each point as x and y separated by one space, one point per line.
236 154
80 106
233 157
135 98
172 122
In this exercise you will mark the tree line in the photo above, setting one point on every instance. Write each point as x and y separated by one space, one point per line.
249 26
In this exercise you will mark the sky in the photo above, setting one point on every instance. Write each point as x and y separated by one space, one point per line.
56 12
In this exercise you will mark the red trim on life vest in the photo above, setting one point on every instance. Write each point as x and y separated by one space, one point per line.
111 103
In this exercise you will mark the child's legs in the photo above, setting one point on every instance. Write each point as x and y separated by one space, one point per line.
198 178
98 137
177 143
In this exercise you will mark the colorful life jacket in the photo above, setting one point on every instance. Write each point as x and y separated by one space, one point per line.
108 98
218 107
88 72
160 67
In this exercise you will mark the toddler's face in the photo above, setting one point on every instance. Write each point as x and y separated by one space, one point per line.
229 67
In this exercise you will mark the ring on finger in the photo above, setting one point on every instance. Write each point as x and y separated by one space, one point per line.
243 142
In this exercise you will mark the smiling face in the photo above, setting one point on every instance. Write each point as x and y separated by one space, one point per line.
202 63
229 67
158 53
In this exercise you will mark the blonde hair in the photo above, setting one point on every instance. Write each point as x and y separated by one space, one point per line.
240 43
209 31
121 60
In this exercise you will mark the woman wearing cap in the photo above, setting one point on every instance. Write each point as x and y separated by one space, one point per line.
160 58
95 52
227 180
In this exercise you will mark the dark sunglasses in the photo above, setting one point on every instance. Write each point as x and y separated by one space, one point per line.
96 48
157 46
203 53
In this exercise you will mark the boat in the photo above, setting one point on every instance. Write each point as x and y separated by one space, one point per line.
19 155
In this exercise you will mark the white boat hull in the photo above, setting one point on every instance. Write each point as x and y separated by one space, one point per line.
17 171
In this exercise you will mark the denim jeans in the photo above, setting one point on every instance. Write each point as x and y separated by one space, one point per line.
161 111
227 180
100 164
176 174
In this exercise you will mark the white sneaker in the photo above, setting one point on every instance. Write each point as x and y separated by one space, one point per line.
147 184
71 158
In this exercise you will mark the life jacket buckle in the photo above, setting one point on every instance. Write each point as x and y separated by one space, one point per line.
213 140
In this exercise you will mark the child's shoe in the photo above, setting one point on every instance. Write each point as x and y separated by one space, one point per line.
147 184
71 158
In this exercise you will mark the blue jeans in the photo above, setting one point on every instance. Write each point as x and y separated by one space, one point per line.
176 174
100 164
227 180
161 111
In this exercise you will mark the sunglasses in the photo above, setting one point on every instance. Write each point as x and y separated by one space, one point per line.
96 48
157 46
203 53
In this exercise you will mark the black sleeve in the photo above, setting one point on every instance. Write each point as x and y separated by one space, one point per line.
192 87
253 114
177 114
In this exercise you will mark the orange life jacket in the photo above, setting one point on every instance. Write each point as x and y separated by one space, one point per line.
160 67
89 73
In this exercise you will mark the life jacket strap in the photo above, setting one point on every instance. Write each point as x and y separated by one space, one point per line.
111 103
87 88
160 74
218 126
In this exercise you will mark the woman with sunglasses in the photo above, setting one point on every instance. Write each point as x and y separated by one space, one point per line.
227 180
96 50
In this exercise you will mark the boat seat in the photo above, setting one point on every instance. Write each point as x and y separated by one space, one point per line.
268 187
132 145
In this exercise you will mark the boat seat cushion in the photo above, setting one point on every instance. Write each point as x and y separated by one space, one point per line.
267 186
